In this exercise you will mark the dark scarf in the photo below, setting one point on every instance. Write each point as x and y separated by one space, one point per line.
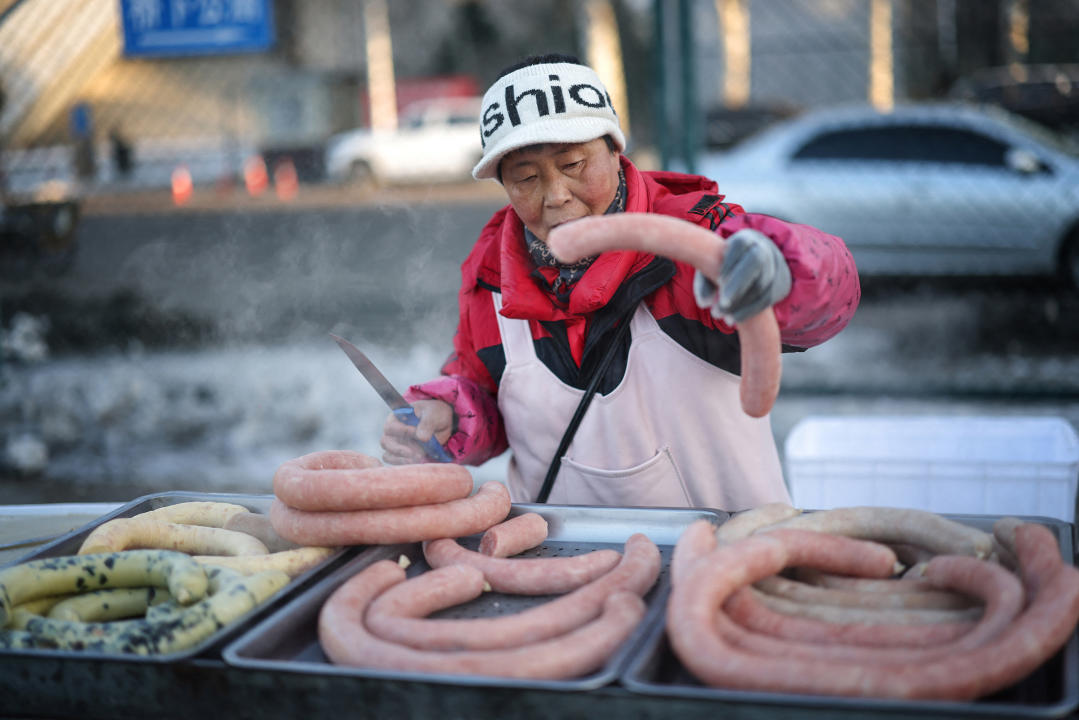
561 284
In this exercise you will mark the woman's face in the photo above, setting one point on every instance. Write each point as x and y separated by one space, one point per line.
553 183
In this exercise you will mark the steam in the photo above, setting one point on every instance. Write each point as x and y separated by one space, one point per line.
210 421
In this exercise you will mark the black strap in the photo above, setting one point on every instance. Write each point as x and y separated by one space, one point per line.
571 430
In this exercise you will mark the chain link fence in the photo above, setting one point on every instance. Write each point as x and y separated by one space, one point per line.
83 115
60 57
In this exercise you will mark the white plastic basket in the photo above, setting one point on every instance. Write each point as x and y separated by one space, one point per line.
975 465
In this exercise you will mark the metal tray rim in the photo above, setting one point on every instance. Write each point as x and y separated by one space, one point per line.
40 550
655 639
215 638
233 652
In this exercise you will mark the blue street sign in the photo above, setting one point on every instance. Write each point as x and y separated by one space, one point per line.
196 27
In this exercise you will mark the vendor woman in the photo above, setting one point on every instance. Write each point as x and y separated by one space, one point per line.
664 426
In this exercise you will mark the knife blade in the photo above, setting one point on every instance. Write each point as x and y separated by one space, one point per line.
389 395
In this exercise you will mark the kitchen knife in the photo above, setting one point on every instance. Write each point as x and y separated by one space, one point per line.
389 394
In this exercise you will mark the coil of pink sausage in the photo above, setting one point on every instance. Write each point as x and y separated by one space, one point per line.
348 480
457 518
525 576
997 588
748 610
1039 631
346 640
680 240
400 613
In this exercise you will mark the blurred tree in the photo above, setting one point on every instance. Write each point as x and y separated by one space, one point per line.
478 29
472 30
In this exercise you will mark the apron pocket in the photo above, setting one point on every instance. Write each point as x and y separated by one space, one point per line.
654 483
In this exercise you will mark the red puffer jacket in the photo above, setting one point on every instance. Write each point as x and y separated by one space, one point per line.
570 340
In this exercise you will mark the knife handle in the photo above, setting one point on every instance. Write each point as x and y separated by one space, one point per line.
408 416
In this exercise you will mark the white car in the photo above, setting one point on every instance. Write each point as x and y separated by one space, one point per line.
924 190
436 140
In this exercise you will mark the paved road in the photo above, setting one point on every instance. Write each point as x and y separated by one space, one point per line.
264 272
385 265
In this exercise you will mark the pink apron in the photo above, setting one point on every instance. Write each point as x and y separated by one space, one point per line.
672 434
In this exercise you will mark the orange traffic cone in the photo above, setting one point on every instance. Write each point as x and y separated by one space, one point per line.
255 176
182 186
285 180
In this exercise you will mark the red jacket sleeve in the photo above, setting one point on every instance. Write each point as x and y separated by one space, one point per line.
468 386
825 290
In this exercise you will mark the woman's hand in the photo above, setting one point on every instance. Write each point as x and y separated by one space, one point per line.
403 444
754 276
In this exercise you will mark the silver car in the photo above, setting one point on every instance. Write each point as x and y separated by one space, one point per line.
929 189
436 140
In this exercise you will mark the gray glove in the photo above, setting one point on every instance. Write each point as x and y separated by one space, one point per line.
754 276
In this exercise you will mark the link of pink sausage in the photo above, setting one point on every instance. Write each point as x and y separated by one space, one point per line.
514 536
1035 636
927 530
1039 565
670 237
700 538
488 506
347 480
746 608
801 592
346 641
695 542
870 560
694 634
745 523
999 590
419 596
837 553
871 616
525 576
894 586
400 614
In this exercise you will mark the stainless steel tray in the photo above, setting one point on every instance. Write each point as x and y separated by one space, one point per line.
287 641
1051 691
69 544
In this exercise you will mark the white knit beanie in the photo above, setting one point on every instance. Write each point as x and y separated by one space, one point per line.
545 103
